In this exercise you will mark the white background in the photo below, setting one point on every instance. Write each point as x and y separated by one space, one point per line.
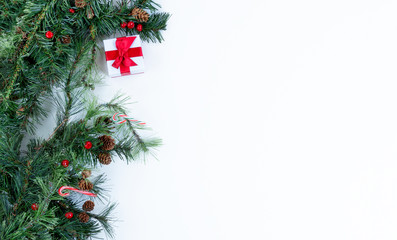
279 121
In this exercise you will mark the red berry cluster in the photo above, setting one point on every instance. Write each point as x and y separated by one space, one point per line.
131 25
68 215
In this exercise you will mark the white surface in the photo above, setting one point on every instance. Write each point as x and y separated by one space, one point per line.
279 120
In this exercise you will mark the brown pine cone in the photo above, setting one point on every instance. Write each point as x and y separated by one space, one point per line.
66 39
88 206
104 120
108 142
83 217
85 185
139 14
108 120
80 3
105 158
86 173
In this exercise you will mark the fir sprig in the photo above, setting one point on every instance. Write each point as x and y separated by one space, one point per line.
35 70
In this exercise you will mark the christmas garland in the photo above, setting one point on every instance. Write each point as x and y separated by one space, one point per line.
47 54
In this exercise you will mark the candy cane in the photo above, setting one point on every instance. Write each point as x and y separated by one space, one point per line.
117 119
73 189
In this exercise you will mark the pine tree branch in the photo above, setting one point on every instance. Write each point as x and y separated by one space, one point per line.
68 88
29 67
25 49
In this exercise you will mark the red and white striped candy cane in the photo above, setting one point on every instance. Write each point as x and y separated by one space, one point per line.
122 118
60 191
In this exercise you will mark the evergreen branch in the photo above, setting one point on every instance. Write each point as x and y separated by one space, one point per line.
46 202
68 82
30 65
25 49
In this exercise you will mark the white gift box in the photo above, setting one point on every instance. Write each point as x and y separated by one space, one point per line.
123 57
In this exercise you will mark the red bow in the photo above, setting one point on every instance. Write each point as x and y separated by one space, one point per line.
123 54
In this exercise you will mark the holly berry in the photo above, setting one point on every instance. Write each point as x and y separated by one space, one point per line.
88 145
69 215
139 27
71 10
34 207
65 163
49 34
123 25
130 25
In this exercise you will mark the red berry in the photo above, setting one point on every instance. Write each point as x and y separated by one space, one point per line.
69 215
130 25
34 207
65 163
71 10
88 145
123 25
49 34
139 27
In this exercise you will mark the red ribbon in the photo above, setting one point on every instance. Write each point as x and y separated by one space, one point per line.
123 54
60 191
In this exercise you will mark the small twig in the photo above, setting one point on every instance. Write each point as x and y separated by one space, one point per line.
48 139
56 129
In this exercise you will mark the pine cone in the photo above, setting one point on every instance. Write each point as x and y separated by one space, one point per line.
88 206
86 173
108 142
83 217
105 158
85 185
139 14
66 39
80 3
104 120
108 120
